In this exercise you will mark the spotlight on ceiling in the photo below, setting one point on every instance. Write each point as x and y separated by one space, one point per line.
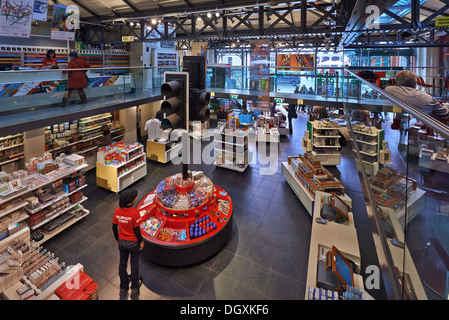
153 21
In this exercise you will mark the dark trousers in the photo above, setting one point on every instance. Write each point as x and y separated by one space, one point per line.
129 249
68 93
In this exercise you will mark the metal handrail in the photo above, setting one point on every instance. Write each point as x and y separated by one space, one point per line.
428 120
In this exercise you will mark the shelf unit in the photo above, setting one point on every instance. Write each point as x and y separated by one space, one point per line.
11 151
369 142
81 137
49 178
231 150
116 177
324 136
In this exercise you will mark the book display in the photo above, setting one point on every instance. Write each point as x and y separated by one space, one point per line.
81 136
29 272
437 160
186 220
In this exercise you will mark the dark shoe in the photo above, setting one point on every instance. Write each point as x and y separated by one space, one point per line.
123 294
135 293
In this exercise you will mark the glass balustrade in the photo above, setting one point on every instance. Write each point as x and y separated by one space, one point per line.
401 157
28 95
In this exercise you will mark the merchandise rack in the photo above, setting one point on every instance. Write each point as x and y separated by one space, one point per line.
369 141
188 250
324 136
231 150
8 143
31 188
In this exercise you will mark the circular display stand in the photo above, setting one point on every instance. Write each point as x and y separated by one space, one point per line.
185 221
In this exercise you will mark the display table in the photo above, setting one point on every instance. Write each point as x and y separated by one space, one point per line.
158 151
185 221
430 161
303 194
267 135
323 237
403 261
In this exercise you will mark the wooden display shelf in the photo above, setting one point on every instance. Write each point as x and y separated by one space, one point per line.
108 178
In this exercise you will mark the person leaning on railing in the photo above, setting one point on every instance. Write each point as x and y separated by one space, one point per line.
405 90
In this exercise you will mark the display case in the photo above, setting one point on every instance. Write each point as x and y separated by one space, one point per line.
231 149
185 220
324 136
11 151
120 165
370 143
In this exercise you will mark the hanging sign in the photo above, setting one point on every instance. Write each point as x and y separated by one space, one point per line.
16 17
40 10
65 22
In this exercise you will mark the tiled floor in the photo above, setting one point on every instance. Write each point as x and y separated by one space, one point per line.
265 258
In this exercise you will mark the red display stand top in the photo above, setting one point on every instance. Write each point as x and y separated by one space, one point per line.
183 213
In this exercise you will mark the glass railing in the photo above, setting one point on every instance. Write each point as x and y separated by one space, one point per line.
27 95
315 83
402 161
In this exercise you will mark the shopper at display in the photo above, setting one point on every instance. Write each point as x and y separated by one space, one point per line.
405 90
125 226
77 80
291 114
106 139
50 61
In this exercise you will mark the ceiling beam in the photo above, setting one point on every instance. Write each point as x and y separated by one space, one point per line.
132 6
92 12
357 20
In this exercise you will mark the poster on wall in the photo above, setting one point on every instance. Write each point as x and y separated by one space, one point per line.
16 17
65 22
295 60
40 10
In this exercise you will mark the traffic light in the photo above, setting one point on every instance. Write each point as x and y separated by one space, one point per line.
199 105
199 97
175 106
